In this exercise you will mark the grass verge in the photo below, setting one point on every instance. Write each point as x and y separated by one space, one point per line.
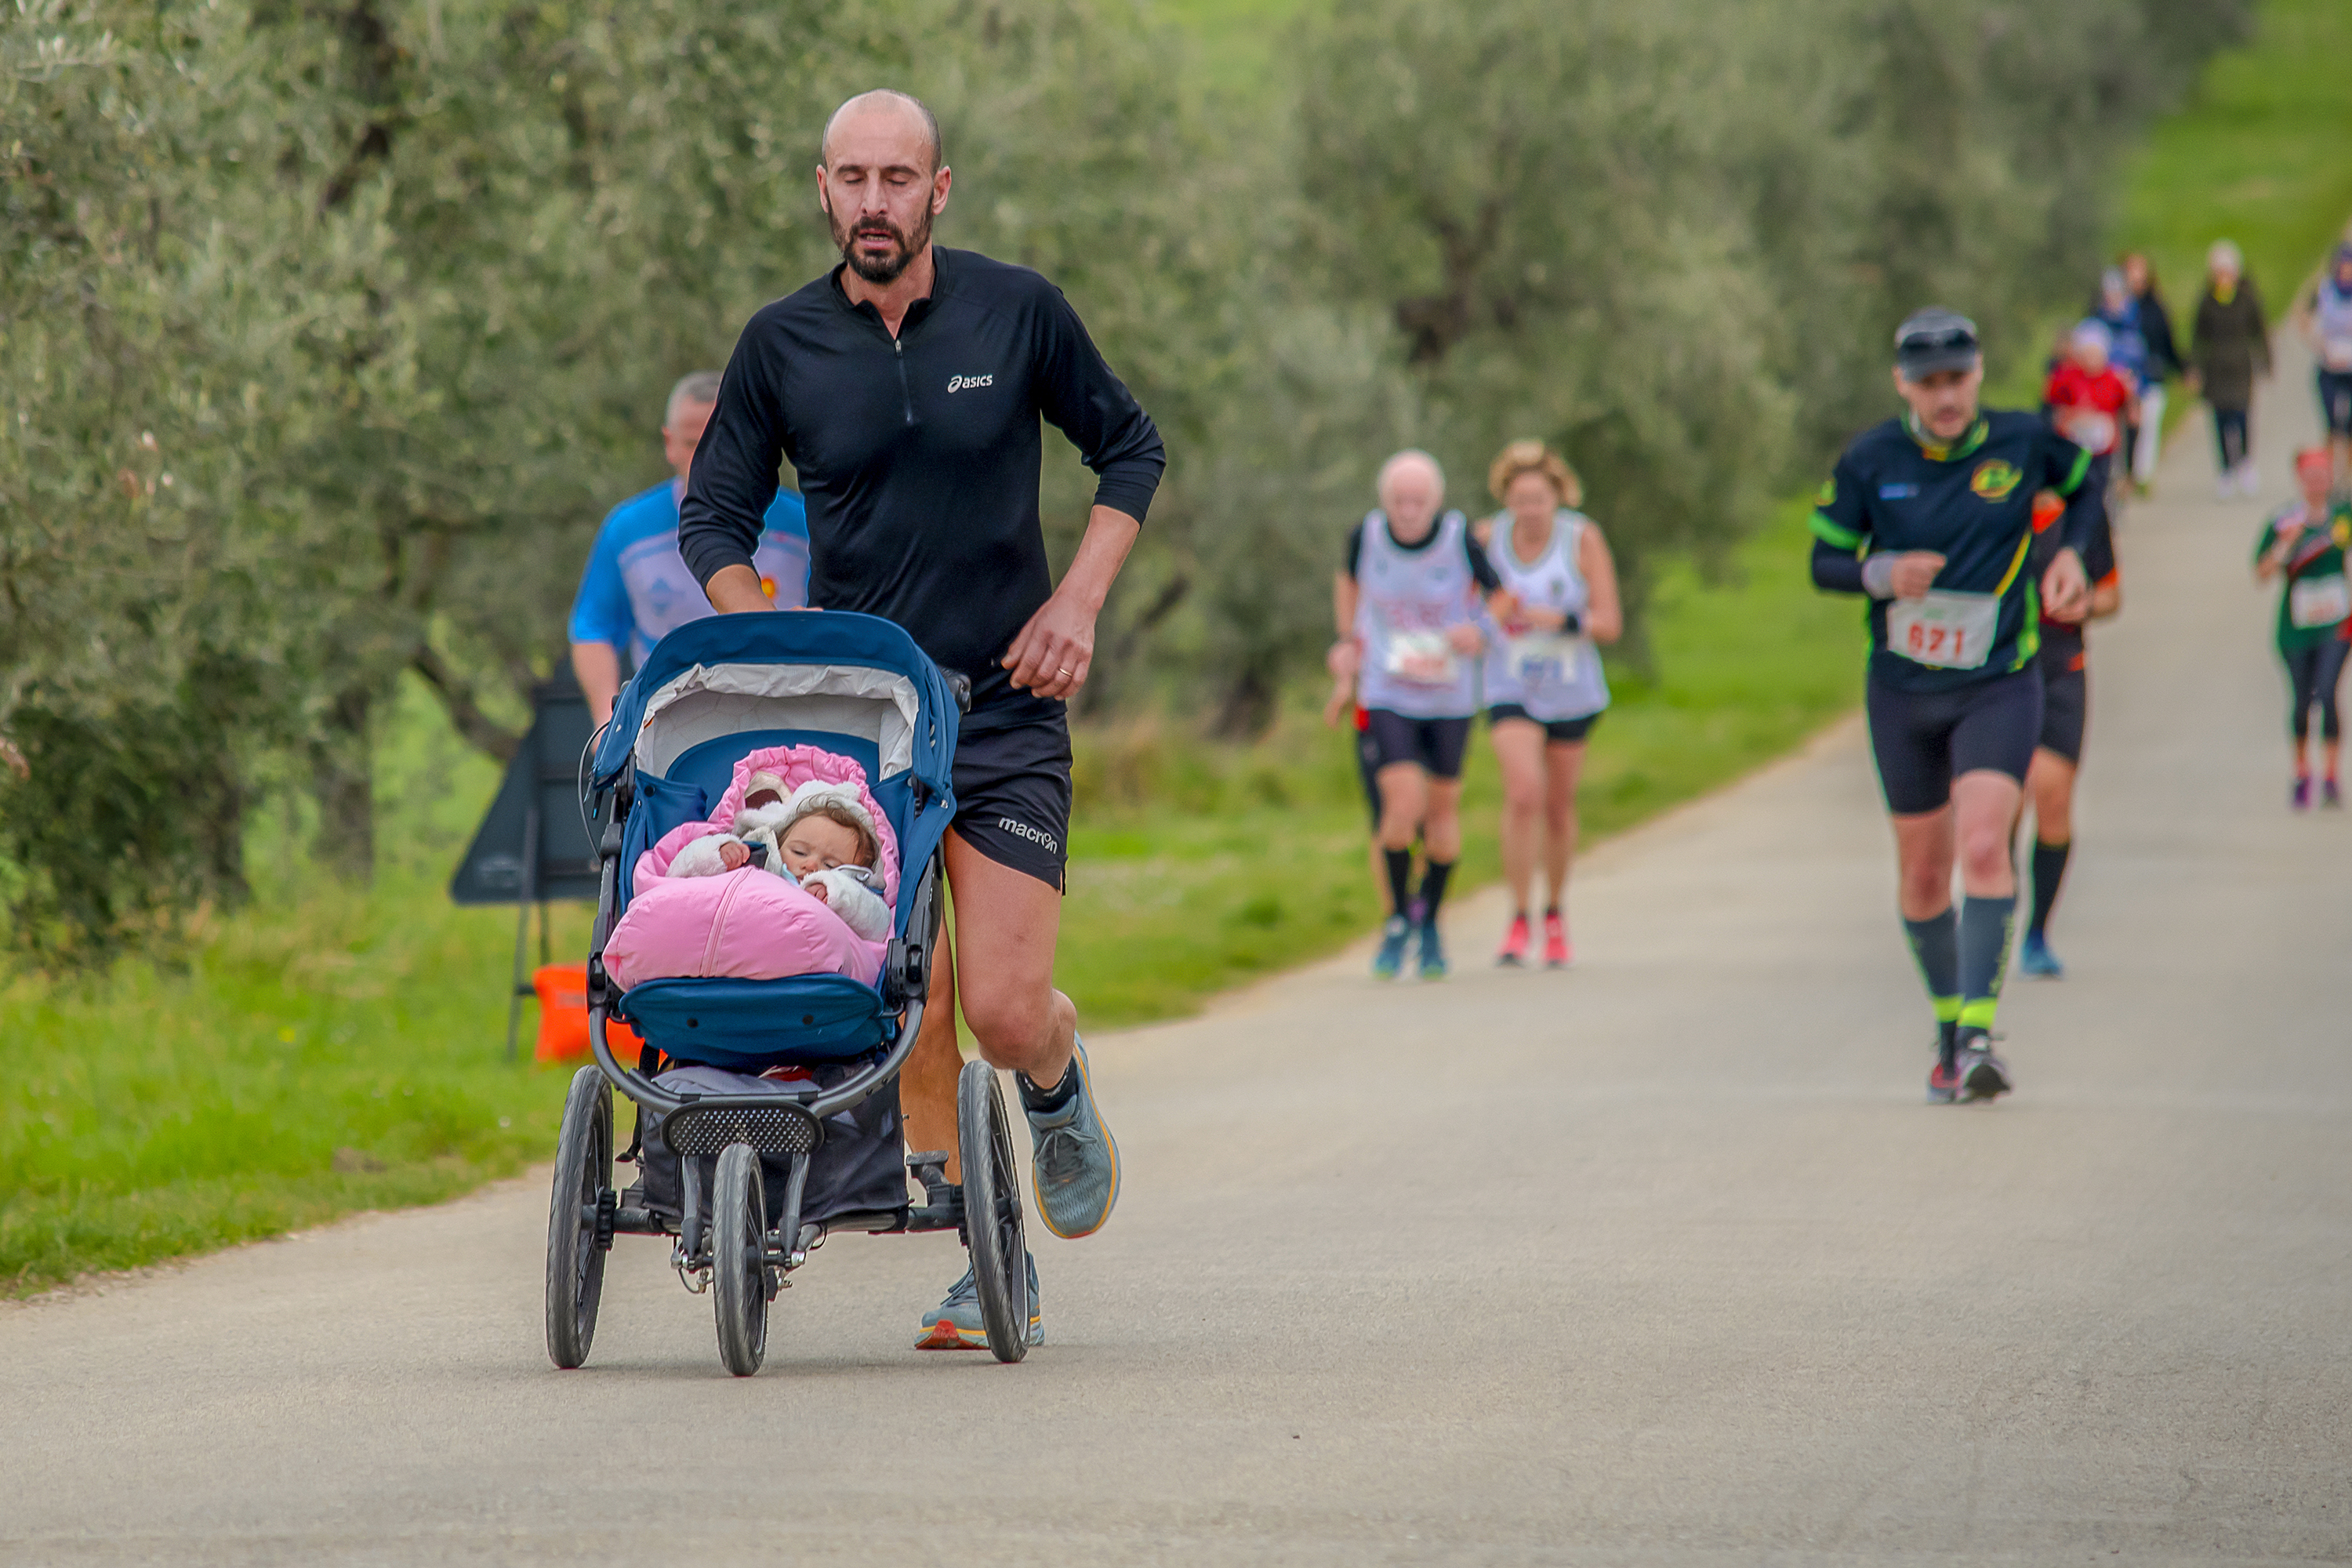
2256 156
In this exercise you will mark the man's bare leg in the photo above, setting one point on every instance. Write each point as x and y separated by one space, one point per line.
927 1085
1007 923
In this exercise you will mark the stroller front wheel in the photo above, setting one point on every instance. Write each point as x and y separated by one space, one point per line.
738 1259
575 1259
992 1206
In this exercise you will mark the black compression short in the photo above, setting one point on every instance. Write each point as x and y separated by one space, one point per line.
1367 768
2066 711
1433 744
1924 740
1013 797
1557 732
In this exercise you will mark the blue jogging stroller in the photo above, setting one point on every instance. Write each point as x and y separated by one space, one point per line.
750 1176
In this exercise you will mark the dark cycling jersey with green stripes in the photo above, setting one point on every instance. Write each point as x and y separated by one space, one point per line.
1972 502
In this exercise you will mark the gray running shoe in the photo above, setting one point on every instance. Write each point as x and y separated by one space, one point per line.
1983 1075
1076 1173
957 1325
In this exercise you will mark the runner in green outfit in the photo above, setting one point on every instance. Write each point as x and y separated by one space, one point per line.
2303 543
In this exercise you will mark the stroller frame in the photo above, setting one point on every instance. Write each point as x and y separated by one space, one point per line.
722 1241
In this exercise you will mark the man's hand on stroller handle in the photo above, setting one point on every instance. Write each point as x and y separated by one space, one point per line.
1055 650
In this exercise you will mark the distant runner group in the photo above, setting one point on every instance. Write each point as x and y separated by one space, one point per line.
1441 619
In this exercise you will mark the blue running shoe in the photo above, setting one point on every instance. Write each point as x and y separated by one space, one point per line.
1433 952
1388 962
957 1325
1076 1171
2034 957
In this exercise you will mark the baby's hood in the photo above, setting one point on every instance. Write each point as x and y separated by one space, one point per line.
813 773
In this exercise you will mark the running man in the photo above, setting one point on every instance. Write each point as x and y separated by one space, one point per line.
637 589
2065 660
1409 608
1931 516
1545 686
906 386
2304 544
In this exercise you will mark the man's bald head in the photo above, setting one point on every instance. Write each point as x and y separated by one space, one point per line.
885 105
1412 487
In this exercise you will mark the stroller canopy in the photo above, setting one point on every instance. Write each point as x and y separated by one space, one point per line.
826 671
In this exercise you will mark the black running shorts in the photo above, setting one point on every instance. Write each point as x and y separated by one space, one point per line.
2066 709
1557 732
1433 744
1013 797
1924 740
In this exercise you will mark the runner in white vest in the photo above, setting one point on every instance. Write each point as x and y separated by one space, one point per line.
2325 315
1545 687
1412 621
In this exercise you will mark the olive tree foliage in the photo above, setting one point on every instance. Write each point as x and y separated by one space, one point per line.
1674 239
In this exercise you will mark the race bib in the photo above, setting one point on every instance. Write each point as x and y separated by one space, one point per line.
1943 631
2092 429
2318 601
1423 659
1542 659
2335 354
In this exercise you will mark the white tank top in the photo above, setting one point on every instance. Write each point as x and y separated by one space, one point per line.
1552 675
1404 601
2333 314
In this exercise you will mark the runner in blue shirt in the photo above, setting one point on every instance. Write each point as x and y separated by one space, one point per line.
637 589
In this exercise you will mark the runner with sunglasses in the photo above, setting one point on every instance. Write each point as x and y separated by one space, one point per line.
1931 517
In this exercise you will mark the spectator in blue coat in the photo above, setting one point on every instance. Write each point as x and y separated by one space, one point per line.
637 590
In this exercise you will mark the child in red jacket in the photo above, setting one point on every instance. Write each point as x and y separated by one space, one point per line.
2088 399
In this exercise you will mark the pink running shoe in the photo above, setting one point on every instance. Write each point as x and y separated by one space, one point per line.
1556 950
1515 944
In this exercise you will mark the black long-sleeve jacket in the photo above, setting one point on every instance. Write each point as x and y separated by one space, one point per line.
919 457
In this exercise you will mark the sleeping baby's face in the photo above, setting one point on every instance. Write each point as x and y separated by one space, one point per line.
819 843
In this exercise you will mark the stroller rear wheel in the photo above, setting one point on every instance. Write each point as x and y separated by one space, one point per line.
992 1206
738 1259
575 1262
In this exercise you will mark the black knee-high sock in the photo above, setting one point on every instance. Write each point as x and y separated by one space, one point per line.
1985 928
1400 862
1936 943
1432 887
2049 871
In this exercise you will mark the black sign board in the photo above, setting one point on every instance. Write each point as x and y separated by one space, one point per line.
532 848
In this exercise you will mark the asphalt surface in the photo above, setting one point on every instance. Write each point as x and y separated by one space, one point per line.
1660 1261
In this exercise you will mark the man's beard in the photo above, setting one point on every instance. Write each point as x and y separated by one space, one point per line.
882 269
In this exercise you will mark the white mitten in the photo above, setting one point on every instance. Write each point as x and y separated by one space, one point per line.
861 908
702 857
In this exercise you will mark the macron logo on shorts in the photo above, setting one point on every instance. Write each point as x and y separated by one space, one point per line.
1035 835
965 383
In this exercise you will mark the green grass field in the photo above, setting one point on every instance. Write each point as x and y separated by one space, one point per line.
325 1051
2258 156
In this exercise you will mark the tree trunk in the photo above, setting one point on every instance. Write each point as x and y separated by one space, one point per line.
343 785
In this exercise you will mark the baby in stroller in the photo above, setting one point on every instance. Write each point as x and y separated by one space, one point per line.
792 875
818 838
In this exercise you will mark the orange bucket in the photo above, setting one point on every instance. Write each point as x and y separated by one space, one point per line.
563 990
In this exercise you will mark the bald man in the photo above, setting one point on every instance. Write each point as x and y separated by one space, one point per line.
1408 605
906 386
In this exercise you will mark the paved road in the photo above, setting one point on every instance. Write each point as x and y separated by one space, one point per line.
1659 1261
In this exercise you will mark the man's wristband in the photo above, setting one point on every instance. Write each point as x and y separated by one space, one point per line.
1878 575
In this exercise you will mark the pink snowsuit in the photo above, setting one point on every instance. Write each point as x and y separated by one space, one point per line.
749 924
